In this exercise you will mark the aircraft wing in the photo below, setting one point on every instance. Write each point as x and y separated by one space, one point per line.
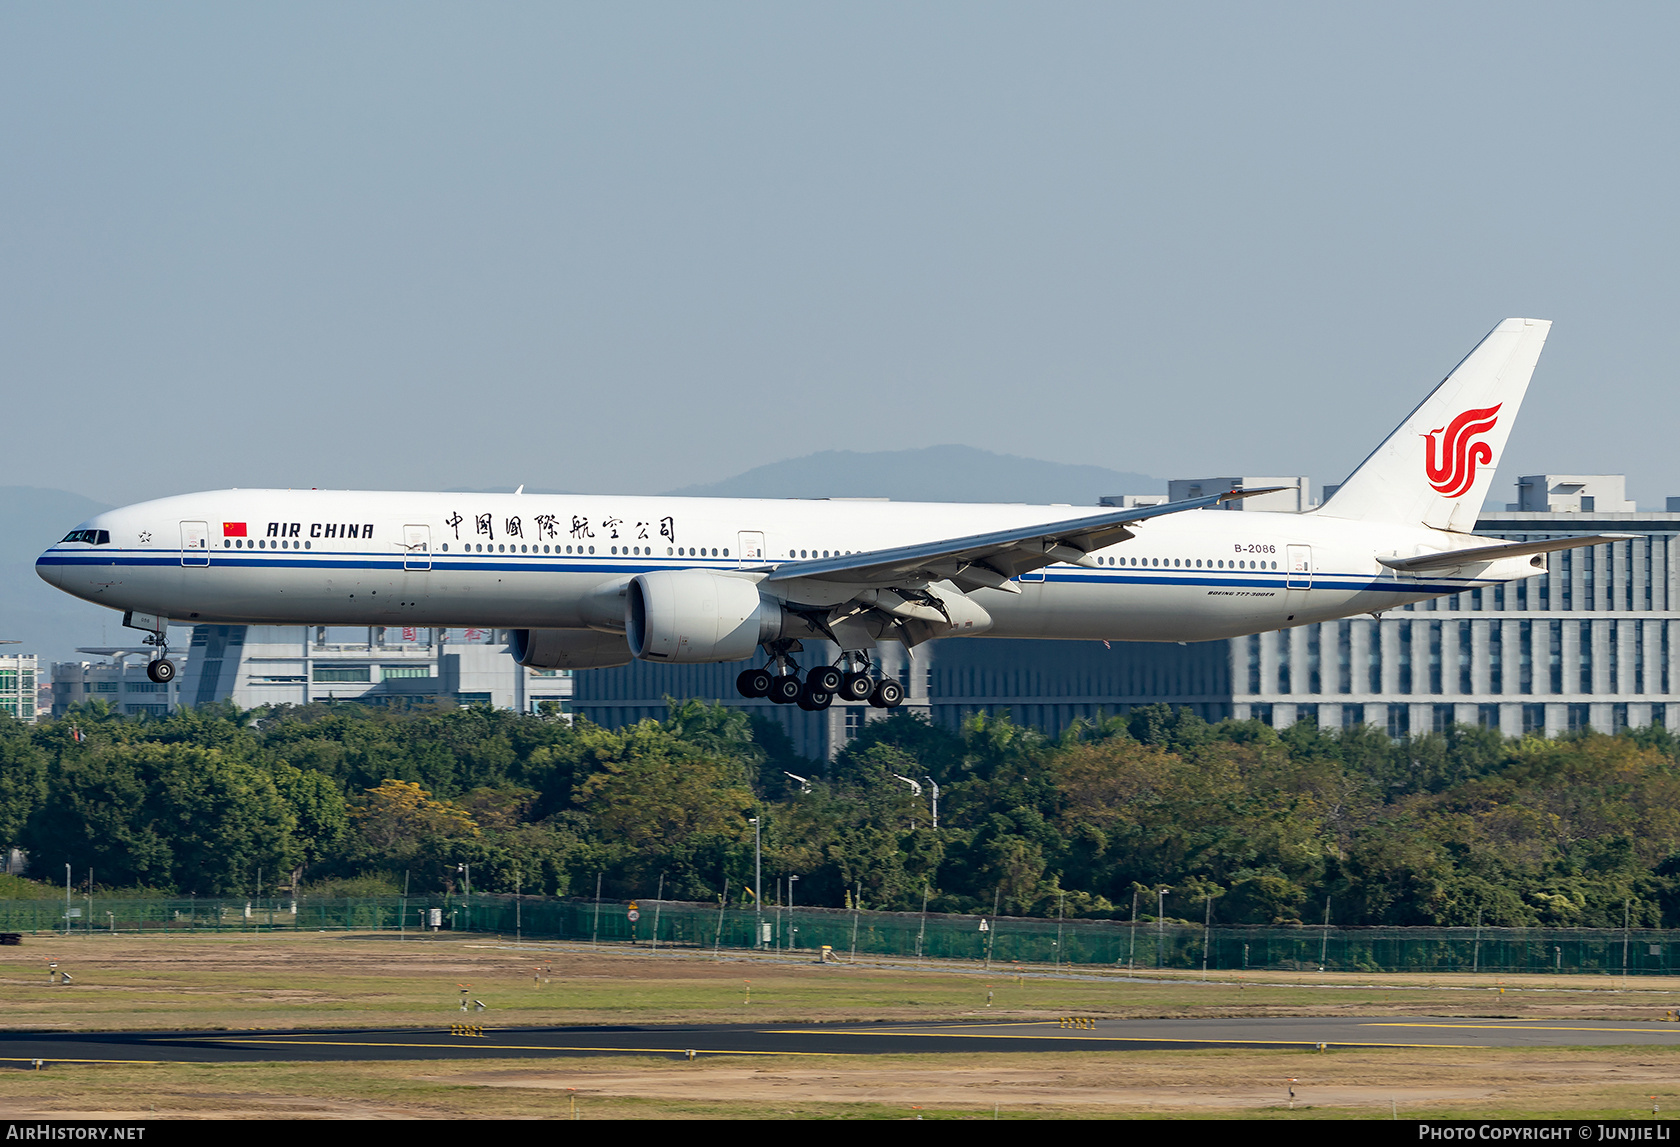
991 560
1452 559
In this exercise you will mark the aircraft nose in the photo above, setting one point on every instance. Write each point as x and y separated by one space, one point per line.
50 570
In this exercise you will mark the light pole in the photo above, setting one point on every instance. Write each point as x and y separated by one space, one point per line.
935 786
1160 921
915 791
1061 915
1131 957
758 885
793 928
466 897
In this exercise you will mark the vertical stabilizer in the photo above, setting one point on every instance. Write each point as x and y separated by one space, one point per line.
1436 467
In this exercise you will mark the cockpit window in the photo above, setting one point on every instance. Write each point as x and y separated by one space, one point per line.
92 537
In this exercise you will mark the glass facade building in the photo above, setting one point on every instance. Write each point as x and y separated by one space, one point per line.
17 686
1590 643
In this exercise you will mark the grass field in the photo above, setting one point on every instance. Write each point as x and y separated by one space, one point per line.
236 981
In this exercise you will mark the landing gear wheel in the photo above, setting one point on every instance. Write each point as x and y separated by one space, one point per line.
753 683
784 690
855 688
825 679
889 694
812 699
162 671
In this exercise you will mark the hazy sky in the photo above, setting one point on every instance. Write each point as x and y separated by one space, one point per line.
636 247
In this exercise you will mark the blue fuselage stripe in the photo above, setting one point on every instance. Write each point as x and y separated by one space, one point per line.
568 563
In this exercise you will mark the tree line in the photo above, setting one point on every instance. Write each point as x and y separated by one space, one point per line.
1235 820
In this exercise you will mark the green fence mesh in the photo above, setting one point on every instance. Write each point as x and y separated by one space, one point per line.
1004 941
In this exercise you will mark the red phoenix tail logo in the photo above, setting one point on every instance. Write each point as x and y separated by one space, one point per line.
1451 462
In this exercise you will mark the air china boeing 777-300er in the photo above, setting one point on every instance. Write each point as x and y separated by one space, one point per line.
587 582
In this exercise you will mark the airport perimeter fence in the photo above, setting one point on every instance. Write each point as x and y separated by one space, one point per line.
999 942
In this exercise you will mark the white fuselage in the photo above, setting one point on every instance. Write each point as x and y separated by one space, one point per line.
534 561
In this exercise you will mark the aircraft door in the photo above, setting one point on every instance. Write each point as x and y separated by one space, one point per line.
1299 574
417 547
751 548
195 543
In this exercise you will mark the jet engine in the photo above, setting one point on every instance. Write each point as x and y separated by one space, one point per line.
567 648
698 616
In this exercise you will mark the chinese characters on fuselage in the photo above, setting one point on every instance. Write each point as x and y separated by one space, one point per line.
548 526
544 526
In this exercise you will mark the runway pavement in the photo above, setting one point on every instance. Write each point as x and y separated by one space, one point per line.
21 1049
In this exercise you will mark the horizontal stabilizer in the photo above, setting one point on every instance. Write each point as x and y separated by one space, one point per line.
1453 559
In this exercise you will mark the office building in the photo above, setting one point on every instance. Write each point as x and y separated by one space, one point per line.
118 678
18 685
378 665
296 665
1591 643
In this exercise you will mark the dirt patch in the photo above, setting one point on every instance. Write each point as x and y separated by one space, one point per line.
1178 1084
1408 1082
1011 1088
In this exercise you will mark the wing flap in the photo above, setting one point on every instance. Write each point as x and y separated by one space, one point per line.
994 557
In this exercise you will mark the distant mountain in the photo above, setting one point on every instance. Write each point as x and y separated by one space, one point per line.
930 474
48 622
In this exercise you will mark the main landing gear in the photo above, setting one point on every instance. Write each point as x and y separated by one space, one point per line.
849 683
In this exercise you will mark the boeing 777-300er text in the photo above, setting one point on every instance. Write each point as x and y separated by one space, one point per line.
587 582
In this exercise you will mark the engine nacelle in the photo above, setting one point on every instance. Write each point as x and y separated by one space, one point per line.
698 616
567 648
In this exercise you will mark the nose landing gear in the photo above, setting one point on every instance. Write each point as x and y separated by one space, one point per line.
160 669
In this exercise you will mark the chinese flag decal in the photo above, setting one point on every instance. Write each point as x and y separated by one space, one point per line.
233 529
